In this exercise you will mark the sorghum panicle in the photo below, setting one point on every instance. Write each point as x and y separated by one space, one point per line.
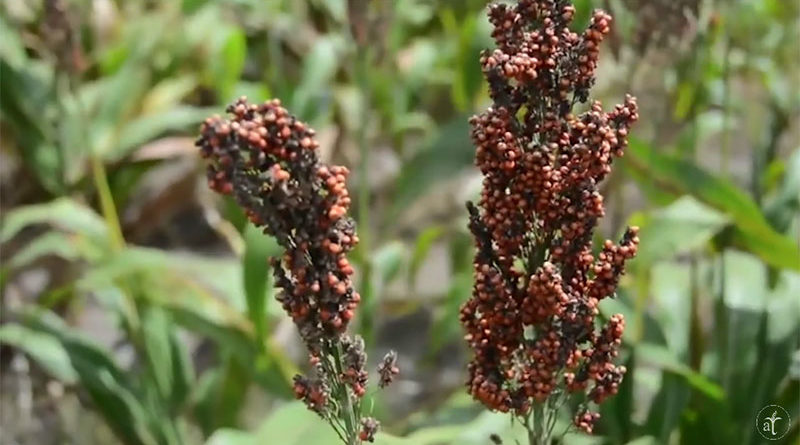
267 160
531 318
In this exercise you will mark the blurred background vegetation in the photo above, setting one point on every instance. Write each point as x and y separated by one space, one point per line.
138 309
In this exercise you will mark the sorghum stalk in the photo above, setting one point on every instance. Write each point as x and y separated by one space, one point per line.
531 320
267 160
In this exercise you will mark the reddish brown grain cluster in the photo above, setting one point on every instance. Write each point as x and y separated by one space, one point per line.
267 160
531 319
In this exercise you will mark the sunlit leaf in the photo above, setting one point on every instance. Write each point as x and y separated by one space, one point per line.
45 349
680 227
63 213
753 232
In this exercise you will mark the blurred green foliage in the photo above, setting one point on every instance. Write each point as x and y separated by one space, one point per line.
96 96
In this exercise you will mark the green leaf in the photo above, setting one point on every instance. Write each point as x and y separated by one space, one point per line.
644 440
119 99
656 355
204 296
143 129
63 213
168 93
11 48
183 376
473 37
228 436
257 275
201 293
446 327
25 95
752 231
256 92
667 407
62 245
294 424
422 246
319 67
683 226
106 383
670 288
221 398
758 327
156 333
45 349
228 62
616 412
387 262
785 206
448 154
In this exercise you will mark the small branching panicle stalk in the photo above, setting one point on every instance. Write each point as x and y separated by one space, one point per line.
267 160
531 320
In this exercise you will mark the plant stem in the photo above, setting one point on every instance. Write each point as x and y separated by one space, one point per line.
367 292
696 343
538 432
107 205
349 416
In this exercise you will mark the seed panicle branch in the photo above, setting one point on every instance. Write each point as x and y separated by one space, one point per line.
531 320
267 160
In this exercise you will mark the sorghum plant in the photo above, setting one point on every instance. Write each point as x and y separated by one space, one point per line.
267 160
532 320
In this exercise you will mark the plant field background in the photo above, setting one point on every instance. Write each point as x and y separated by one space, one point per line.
138 309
